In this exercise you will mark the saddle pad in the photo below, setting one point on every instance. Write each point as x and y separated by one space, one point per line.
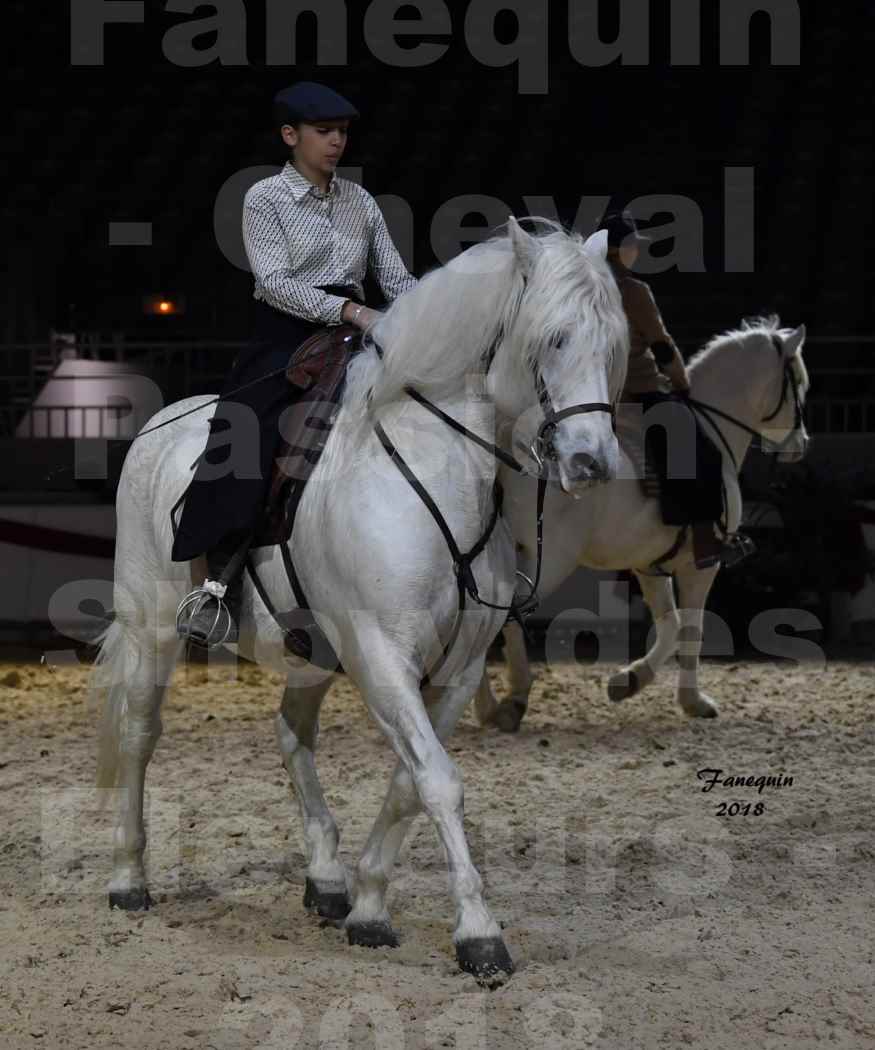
317 375
630 433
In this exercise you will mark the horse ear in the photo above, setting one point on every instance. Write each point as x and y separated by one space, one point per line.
596 246
794 341
525 246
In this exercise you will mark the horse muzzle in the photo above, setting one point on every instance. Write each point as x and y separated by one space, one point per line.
582 472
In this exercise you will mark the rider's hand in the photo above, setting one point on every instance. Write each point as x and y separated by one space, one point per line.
360 317
677 375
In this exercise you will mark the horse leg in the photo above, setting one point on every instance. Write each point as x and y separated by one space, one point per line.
659 595
370 924
297 730
512 709
135 671
425 778
693 587
485 704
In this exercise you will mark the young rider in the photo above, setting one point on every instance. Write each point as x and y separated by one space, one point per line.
656 366
310 238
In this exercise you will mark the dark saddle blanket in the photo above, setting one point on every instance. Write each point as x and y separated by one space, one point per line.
700 497
316 374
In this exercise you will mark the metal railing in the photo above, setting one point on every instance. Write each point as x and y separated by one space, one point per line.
70 421
184 368
840 415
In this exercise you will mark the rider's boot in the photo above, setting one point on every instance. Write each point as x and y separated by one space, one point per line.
209 616
737 546
707 546
710 550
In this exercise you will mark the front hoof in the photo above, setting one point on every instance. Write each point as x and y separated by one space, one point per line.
623 685
486 958
371 935
509 716
131 900
328 904
697 705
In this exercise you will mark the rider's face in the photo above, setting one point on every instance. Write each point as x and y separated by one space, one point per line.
628 254
318 147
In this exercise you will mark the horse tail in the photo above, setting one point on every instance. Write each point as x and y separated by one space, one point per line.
114 669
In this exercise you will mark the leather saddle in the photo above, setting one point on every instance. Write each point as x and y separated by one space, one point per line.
316 373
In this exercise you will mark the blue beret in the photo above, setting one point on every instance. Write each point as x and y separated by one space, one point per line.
311 102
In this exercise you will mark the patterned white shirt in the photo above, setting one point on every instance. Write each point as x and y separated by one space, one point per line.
298 237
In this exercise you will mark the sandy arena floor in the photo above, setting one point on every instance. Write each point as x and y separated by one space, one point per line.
638 917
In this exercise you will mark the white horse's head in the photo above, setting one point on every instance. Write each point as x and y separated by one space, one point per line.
559 359
774 384
542 316
783 430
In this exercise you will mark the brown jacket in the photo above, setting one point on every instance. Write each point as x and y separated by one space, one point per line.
645 328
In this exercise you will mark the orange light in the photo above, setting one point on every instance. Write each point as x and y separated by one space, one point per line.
164 305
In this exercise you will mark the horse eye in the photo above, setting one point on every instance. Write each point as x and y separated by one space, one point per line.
558 341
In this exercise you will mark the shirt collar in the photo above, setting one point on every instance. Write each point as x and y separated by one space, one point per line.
301 185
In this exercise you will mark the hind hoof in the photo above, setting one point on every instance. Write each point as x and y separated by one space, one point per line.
622 686
372 935
486 958
327 904
131 900
509 716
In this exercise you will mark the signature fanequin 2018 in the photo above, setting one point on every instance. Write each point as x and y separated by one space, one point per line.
714 778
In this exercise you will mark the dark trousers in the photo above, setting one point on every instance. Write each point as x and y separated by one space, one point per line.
683 499
232 478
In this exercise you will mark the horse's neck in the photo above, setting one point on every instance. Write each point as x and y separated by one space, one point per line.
424 441
715 385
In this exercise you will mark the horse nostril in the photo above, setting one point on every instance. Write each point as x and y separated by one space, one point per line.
585 467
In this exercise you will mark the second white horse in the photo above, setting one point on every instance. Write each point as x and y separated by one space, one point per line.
756 379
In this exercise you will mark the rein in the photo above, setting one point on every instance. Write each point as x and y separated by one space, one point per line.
706 409
542 449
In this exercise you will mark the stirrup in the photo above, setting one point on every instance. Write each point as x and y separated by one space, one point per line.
736 547
193 616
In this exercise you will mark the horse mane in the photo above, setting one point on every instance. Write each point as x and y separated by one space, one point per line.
767 326
439 332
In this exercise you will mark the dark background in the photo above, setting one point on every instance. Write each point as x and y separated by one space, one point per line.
140 139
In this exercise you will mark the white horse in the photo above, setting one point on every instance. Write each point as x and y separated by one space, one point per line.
757 381
477 337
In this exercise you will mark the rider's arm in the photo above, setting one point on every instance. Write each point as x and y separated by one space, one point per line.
649 321
268 253
384 259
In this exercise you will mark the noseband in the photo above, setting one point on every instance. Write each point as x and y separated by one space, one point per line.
543 447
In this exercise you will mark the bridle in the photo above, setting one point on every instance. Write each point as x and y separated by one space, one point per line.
543 447
766 444
789 381
541 450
